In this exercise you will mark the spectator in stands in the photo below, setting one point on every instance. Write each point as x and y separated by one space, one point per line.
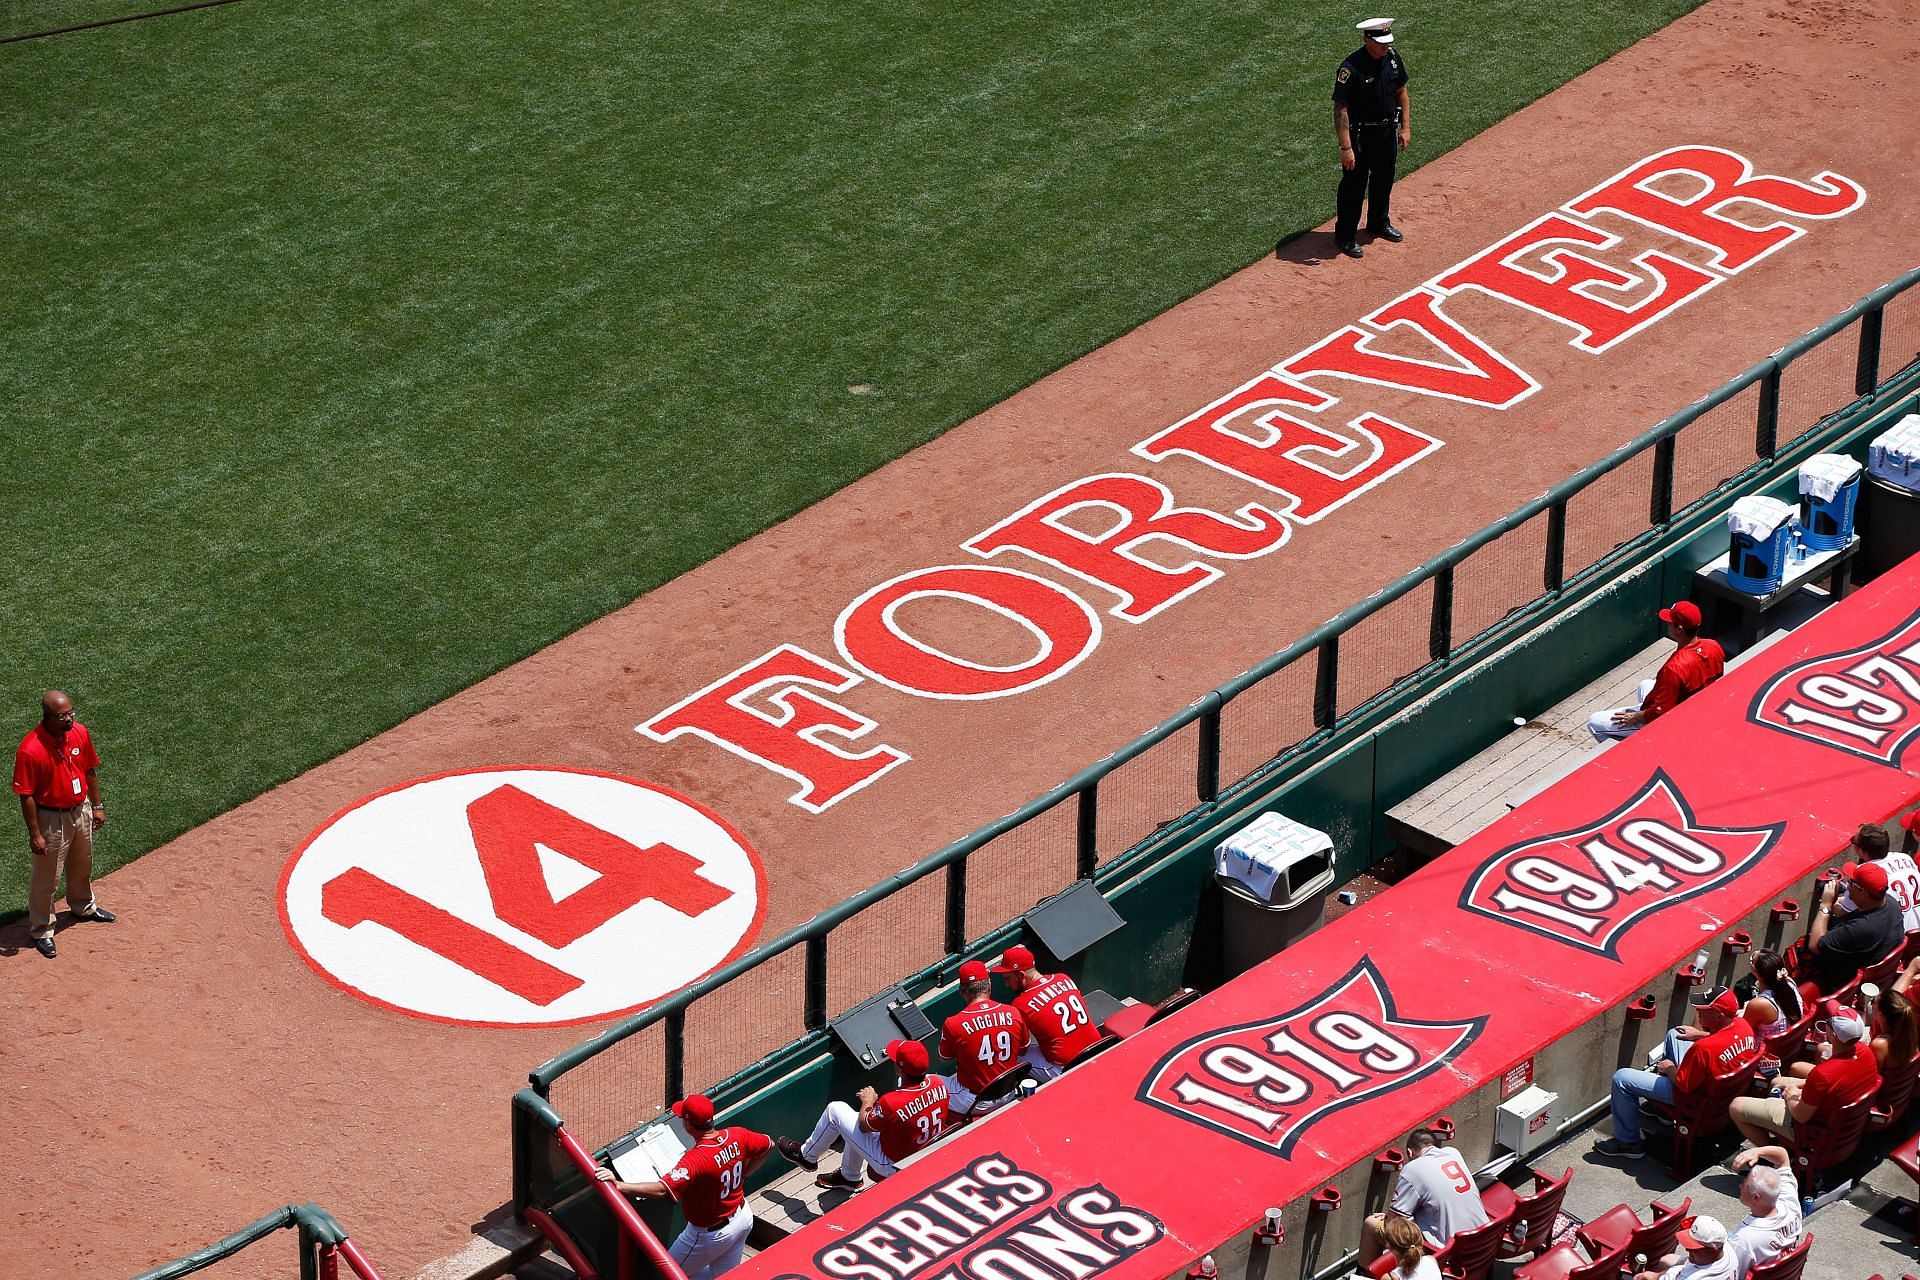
1435 1190
709 1185
1910 824
1053 1010
1775 1003
1894 1030
887 1128
1694 664
1840 946
1847 1076
1773 1225
1709 1255
985 1040
1870 844
1412 1258
1688 1060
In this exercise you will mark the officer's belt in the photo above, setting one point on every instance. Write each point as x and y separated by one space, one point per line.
1374 124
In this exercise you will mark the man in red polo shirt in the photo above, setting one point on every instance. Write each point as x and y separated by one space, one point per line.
1694 664
1054 1011
56 776
1848 1076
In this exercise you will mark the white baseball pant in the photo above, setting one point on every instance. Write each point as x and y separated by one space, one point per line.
858 1150
1043 1070
1600 724
706 1255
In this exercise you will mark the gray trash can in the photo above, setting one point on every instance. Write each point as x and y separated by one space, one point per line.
1274 876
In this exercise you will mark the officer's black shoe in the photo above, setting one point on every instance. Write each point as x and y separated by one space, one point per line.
1390 233
1351 249
45 947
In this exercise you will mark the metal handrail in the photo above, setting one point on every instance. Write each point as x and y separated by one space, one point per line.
318 1229
1206 709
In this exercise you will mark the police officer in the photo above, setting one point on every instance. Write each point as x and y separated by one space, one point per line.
1369 101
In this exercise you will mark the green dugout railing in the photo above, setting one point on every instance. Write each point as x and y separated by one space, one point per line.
1294 701
323 1246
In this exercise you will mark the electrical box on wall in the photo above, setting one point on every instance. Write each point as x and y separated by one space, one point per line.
1526 1121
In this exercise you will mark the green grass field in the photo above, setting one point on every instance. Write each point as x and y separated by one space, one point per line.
350 353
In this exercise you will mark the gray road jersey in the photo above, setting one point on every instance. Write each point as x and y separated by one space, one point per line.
1429 1192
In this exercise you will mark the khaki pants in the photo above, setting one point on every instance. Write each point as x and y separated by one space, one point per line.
69 834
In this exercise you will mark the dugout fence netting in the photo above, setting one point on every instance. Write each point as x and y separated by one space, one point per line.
916 926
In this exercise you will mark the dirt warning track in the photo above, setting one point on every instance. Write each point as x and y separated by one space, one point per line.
929 649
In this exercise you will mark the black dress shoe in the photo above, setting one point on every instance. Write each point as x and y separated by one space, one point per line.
99 915
1351 249
1390 233
45 947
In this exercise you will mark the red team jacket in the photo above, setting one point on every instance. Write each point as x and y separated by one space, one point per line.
910 1117
710 1181
1058 1019
986 1039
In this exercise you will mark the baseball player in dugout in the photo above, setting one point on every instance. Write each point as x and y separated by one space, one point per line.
887 1128
985 1040
1373 124
1054 1013
57 777
710 1185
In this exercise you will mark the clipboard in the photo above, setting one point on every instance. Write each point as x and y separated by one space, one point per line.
646 1154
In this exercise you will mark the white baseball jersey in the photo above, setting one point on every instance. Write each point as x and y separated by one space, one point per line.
1903 886
1436 1190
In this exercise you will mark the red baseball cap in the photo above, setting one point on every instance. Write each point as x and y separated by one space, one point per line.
1870 876
973 971
908 1055
696 1109
1911 822
1719 999
1684 612
1016 960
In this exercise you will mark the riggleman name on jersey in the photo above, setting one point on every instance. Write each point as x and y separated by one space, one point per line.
1588 886
1865 701
992 1221
1266 1083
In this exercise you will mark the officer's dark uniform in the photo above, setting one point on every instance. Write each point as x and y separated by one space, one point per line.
1369 88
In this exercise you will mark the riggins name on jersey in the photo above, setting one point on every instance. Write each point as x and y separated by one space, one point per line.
989 1020
994 1221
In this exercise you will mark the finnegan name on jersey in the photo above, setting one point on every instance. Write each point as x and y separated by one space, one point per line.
988 1020
1083 1232
1050 991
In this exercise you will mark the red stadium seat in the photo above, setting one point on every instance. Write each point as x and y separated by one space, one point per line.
1788 1265
1701 1113
1786 1044
1619 1230
1911 948
1133 1018
1896 1090
1828 1140
1532 1215
1470 1255
1564 1262
1882 972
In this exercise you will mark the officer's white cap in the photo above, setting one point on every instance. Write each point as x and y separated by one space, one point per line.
1379 29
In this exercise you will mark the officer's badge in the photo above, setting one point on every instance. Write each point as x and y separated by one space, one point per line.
1346 74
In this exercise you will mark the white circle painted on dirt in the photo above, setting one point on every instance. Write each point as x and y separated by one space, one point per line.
521 897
